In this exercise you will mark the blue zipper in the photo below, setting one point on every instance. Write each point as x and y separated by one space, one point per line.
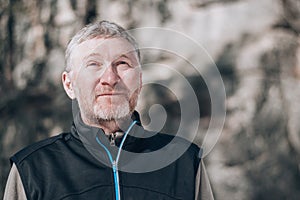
114 163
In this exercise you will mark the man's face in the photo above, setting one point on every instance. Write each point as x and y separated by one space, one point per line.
106 78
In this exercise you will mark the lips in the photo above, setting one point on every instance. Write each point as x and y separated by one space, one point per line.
111 94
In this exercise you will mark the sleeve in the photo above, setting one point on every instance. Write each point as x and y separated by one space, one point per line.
203 190
14 189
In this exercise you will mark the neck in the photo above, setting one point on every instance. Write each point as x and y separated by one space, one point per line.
109 126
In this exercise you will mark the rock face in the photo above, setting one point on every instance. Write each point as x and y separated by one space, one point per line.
254 45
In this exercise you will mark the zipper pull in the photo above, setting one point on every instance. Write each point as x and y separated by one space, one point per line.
114 136
113 139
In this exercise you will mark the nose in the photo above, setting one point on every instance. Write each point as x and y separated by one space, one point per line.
109 77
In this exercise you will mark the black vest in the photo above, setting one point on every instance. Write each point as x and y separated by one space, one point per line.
64 167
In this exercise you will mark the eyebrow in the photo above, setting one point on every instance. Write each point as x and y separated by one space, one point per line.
122 56
99 55
92 55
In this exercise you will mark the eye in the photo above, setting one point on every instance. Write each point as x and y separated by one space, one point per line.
93 64
122 63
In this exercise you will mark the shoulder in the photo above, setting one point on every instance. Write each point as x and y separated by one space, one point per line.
188 154
176 143
39 146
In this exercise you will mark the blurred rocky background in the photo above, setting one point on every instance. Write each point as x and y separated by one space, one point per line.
254 43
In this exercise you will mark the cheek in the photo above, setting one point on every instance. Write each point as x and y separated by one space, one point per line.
84 84
132 79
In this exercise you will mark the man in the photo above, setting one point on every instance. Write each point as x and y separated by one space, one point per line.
103 77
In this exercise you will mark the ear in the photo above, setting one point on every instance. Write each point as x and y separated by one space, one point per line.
141 81
66 80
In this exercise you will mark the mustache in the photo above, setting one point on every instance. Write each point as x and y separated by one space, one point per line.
103 90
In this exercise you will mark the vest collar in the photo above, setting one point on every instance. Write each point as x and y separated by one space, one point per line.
87 134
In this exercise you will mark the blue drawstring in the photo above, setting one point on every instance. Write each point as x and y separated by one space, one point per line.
114 163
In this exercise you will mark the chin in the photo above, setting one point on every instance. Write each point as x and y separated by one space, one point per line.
113 112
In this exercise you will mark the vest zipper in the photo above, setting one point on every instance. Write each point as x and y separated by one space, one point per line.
115 162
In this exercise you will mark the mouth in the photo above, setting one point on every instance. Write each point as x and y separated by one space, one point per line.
110 94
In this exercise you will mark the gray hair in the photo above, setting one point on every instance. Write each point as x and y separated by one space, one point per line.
104 29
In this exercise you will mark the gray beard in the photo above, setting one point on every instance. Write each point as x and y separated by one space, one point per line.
112 113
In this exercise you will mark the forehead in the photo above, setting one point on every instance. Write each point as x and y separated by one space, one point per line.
108 48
